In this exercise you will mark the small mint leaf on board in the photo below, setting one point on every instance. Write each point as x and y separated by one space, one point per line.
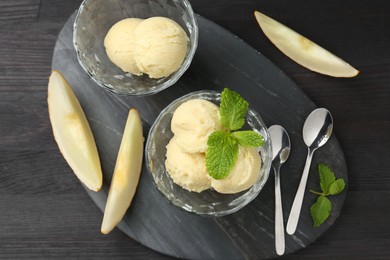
326 177
221 154
248 138
336 187
320 210
233 109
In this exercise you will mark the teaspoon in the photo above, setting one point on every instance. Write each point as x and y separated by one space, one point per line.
316 132
280 151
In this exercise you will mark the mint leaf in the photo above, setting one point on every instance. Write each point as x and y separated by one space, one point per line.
336 187
248 138
326 177
233 109
221 154
320 210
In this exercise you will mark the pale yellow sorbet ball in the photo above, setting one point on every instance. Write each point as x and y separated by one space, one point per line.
161 46
244 174
187 170
120 43
193 122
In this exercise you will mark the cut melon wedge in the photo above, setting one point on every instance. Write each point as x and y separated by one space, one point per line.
302 50
126 173
72 132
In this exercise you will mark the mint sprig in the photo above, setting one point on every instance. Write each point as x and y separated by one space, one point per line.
223 145
320 210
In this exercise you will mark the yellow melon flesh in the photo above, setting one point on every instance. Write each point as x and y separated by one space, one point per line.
72 132
302 50
126 173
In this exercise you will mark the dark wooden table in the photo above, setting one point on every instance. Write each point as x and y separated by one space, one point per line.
45 212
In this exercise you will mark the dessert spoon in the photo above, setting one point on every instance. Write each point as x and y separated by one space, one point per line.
280 151
316 132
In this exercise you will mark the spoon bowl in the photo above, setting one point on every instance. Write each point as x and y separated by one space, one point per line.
316 131
318 128
281 146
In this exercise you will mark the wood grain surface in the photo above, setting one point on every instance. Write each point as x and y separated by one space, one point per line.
45 212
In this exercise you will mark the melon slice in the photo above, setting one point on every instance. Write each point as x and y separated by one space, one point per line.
126 173
72 132
302 50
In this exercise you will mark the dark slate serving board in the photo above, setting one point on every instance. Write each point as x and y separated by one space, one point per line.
222 60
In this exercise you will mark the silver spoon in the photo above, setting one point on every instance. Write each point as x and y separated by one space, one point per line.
280 151
316 132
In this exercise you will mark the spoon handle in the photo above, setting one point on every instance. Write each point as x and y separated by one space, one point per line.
292 222
279 225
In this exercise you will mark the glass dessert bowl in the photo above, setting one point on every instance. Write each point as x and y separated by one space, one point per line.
95 18
208 202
